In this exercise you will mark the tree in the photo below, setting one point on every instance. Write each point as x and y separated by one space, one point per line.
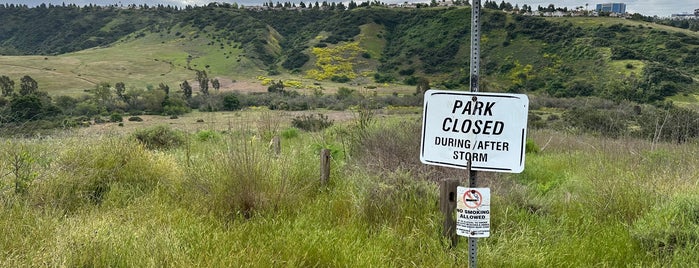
203 80
102 92
490 5
422 85
231 102
28 86
120 89
165 88
7 85
276 87
25 108
186 89
215 84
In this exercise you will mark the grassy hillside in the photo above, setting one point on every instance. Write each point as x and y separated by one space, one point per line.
564 57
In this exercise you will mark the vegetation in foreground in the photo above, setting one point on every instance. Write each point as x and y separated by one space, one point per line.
213 198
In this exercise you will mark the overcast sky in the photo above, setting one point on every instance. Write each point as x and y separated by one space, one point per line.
662 8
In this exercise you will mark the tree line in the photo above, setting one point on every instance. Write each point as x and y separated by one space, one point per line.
25 109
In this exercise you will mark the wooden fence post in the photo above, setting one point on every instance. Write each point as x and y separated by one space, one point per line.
276 145
447 205
324 166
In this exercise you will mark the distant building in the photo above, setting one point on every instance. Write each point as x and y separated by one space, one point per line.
683 16
618 8
686 16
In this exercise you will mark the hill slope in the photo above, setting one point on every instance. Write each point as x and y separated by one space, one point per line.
613 58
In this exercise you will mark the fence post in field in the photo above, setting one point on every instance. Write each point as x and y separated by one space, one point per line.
324 166
447 205
276 145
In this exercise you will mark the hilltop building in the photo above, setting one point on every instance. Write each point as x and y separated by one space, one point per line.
685 16
618 8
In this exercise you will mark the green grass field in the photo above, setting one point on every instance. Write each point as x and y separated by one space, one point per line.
219 196
223 199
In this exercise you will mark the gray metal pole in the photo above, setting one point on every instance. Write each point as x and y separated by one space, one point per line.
475 63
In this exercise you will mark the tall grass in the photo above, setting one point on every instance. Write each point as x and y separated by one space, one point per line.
229 201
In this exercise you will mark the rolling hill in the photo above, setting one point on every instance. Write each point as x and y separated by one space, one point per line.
613 58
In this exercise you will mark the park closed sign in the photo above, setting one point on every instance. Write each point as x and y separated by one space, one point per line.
487 130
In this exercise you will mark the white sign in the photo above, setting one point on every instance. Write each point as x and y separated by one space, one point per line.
488 130
473 212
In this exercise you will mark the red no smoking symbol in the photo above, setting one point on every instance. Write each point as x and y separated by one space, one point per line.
472 199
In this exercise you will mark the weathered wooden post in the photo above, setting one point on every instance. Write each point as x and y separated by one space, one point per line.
447 205
324 166
276 145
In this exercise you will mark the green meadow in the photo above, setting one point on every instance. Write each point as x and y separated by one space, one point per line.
221 197
611 175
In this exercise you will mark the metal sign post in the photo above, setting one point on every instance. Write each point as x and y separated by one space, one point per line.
477 132
475 70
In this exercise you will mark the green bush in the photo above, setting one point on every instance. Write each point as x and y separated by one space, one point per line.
531 147
596 121
340 79
116 117
311 122
231 102
344 93
135 119
160 137
290 133
111 172
208 135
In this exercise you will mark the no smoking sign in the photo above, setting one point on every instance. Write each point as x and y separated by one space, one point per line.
472 199
473 212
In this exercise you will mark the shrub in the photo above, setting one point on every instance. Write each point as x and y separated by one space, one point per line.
22 164
410 80
207 135
383 78
290 133
531 147
160 137
116 117
240 179
407 72
100 120
340 78
102 172
175 106
231 102
311 122
135 119
596 121
344 93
